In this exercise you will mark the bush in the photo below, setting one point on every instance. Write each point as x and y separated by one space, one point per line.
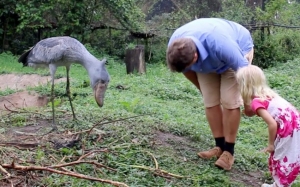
158 51
280 45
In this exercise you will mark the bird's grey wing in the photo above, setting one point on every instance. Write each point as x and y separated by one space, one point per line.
47 51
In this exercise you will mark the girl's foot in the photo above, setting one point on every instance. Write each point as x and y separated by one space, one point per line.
269 185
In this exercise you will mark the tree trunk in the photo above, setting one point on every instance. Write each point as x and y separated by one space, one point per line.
135 60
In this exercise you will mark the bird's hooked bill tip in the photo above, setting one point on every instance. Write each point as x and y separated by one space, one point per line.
99 100
100 103
99 92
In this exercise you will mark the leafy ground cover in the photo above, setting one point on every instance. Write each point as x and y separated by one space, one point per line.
147 133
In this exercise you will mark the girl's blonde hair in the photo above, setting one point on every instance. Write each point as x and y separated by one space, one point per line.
252 83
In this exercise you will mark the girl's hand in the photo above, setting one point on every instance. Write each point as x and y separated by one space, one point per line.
248 111
269 149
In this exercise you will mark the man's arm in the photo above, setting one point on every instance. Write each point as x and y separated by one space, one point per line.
192 76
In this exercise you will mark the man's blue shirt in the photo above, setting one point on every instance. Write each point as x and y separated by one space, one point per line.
222 44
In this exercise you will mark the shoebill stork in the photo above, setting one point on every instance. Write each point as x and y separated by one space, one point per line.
63 51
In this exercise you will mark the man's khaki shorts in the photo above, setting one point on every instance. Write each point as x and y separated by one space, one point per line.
221 88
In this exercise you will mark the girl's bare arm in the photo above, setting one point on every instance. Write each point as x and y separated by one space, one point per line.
272 125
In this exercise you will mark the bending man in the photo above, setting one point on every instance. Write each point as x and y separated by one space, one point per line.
208 51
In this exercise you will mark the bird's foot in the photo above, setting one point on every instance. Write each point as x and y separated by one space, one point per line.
54 128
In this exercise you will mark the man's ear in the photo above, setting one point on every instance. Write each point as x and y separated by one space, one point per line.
195 57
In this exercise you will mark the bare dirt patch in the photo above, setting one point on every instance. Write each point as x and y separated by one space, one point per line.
164 139
20 82
22 99
248 179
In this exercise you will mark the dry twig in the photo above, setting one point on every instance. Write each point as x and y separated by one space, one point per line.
20 110
4 171
20 145
69 173
81 162
61 168
92 152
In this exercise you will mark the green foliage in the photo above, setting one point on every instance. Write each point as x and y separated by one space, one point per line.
280 46
127 13
271 8
158 51
40 154
112 42
235 10
31 14
70 17
272 46
130 46
266 52
131 106
18 120
279 11
35 20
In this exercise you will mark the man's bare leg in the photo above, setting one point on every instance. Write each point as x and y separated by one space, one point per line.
231 122
214 118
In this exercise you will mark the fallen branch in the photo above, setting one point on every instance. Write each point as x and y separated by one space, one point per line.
73 174
20 145
154 159
81 162
20 110
4 171
92 152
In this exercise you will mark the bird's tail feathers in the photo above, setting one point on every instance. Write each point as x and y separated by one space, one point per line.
105 61
23 57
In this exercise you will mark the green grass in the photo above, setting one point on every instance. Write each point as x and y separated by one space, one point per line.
171 105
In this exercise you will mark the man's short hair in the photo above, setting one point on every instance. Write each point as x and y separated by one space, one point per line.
180 54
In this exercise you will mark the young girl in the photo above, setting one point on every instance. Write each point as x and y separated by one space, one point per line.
283 122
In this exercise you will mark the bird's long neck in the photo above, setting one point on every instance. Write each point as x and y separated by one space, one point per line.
91 64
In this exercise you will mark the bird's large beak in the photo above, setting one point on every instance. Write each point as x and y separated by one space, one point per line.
99 92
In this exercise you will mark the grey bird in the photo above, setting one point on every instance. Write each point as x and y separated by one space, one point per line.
63 51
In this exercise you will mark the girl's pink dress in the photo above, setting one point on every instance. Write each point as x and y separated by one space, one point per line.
284 162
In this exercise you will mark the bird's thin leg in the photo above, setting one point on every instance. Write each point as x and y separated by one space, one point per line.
52 101
52 72
68 91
